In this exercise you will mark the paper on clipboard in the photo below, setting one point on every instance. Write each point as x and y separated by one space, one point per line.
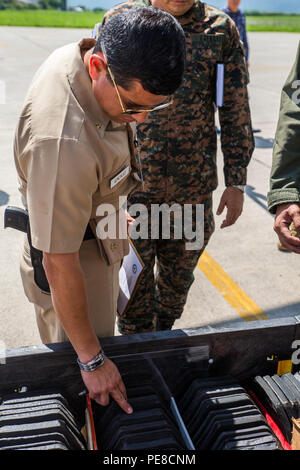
129 274
220 86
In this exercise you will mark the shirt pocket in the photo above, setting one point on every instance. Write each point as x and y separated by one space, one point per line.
112 182
206 52
114 245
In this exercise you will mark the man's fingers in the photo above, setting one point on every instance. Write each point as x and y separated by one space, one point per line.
231 218
221 206
233 212
290 241
106 381
123 389
288 245
286 214
121 400
285 236
102 399
225 223
296 221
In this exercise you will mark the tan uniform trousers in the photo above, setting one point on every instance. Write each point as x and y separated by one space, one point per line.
102 286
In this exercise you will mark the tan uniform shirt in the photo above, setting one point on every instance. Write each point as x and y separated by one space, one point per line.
69 155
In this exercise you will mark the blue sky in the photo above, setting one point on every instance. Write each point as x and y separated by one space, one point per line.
286 6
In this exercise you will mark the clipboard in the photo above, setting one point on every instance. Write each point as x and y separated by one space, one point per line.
129 276
220 70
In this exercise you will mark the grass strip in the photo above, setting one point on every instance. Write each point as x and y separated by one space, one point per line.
284 23
87 19
50 18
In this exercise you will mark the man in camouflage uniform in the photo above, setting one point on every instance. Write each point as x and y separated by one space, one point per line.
178 149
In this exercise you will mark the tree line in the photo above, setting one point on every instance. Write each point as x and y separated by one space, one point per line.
41 4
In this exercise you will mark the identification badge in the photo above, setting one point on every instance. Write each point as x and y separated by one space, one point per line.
116 179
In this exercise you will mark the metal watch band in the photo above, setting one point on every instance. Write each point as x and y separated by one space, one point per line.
93 364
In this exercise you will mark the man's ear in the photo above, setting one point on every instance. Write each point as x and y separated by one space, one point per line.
97 66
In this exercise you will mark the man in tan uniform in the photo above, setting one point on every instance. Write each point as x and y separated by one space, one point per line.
74 150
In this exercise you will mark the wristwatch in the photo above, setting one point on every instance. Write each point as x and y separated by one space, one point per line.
93 364
240 187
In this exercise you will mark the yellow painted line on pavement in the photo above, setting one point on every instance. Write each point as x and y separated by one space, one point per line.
232 293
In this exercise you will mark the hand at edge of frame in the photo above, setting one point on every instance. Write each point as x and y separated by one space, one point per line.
285 215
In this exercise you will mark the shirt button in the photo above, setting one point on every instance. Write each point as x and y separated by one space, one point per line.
99 126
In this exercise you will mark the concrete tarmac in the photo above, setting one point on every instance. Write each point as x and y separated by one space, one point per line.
246 252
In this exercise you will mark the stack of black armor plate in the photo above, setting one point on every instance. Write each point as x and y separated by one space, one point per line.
40 421
281 397
216 412
150 426
220 415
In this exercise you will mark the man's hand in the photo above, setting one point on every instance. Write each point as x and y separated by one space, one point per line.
130 222
285 215
233 199
105 381
68 291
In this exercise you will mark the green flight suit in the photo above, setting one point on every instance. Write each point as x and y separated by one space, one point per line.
285 173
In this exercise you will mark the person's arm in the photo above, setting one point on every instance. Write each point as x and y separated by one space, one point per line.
236 128
62 178
244 38
284 195
69 299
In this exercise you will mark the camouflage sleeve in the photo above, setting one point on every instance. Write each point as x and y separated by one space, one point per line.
236 129
285 173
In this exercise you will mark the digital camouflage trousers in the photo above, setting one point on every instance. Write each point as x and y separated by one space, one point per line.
167 276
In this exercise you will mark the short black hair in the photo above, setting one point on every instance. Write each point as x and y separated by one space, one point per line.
144 44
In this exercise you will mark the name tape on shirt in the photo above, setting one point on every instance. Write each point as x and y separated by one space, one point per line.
116 179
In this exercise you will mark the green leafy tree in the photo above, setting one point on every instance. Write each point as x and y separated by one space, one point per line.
50 4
